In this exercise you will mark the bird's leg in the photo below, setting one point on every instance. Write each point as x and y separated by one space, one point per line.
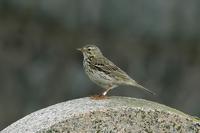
102 95
107 90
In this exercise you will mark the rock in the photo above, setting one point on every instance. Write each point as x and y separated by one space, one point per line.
114 114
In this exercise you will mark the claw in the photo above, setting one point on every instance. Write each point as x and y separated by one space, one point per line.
98 97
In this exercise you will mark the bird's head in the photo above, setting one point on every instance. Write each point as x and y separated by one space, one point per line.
90 51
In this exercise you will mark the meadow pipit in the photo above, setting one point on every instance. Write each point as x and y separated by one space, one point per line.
103 72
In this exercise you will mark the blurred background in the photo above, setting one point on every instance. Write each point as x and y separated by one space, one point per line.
155 42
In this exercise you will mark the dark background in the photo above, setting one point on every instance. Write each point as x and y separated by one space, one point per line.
156 42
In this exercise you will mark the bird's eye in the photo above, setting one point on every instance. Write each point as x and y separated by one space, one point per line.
89 49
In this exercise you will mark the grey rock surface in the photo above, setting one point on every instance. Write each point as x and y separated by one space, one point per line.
115 114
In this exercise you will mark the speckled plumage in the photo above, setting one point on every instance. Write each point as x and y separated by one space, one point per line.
103 72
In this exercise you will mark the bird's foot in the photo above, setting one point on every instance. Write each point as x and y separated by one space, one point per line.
99 97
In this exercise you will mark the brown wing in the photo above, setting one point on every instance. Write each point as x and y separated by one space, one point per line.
106 66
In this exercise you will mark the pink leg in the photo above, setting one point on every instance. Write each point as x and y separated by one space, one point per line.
107 90
103 95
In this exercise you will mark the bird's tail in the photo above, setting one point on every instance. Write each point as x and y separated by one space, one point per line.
134 83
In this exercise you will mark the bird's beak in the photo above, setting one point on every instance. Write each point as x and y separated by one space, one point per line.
79 49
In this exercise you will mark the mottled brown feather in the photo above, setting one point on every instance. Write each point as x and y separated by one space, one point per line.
105 65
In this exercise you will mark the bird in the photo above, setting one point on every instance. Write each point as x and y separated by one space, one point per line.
104 72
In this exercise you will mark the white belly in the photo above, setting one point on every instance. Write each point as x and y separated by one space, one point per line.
98 77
